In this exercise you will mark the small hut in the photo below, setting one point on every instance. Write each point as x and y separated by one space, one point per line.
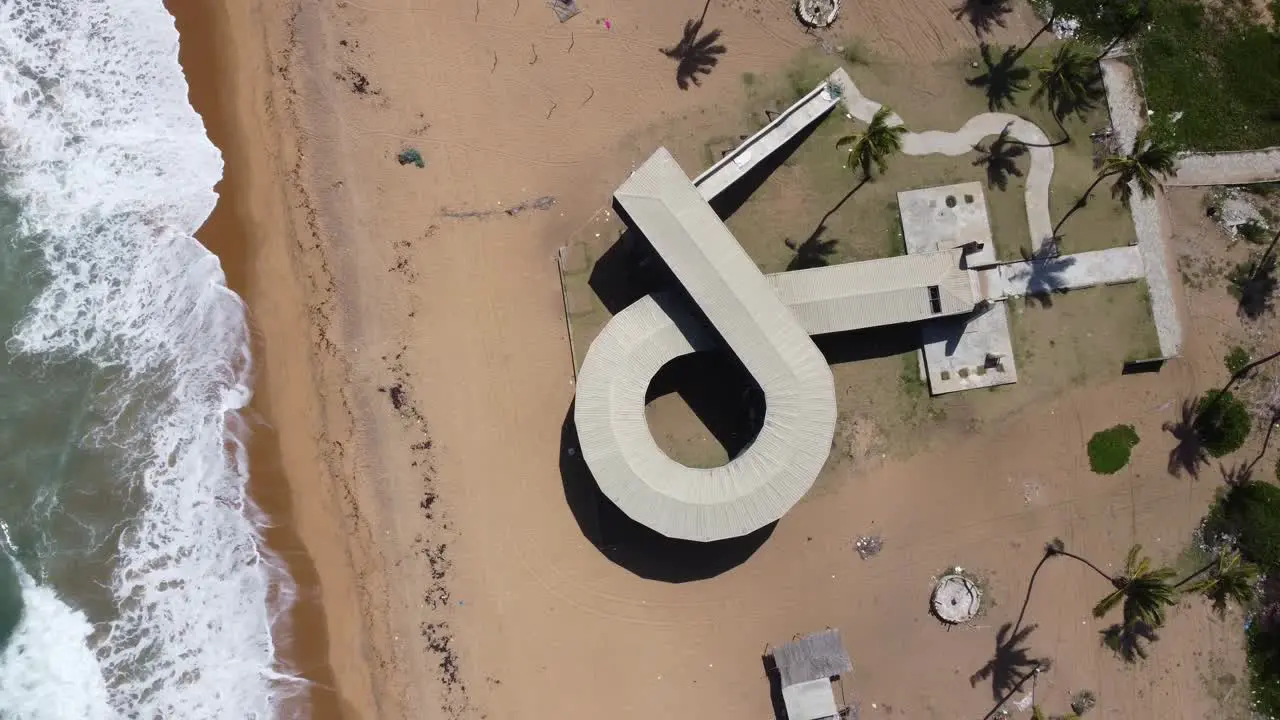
806 667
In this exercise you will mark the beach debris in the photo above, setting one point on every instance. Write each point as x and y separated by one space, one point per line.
360 84
541 203
410 156
564 9
956 598
868 546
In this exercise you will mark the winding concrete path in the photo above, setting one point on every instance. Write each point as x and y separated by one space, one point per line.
959 142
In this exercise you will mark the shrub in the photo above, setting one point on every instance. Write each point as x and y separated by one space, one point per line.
1252 232
1264 668
1109 449
1237 359
1083 701
1222 423
1250 513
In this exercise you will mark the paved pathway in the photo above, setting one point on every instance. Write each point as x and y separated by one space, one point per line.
1039 176
1068 272
1127 117
1228 168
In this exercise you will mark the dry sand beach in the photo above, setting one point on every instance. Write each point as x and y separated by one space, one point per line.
414 380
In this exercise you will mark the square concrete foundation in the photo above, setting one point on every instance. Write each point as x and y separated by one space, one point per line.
969 352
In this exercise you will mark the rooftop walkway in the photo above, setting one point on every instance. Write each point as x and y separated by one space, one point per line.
766 322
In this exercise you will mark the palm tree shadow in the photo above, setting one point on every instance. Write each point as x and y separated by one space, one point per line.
814 252
1010 663
1003 79
695 55
1044 270
1254 285
1189 453
1129 641
984 15
1000 159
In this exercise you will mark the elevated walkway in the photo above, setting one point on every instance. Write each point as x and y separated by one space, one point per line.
766 322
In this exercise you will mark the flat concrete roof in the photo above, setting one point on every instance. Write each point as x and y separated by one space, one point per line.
945 217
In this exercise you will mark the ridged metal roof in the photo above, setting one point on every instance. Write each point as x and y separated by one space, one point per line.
751 314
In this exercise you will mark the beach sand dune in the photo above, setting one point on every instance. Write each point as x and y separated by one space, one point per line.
415 381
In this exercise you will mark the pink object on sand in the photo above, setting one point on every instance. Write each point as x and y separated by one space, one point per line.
608 25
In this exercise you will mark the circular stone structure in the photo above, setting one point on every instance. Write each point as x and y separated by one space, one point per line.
817 13
956 599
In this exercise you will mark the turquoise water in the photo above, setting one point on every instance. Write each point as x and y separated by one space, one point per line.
133 579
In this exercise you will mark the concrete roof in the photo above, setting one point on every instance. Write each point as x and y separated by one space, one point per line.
766 322
879 292
819 655
947 216
813 700
779 466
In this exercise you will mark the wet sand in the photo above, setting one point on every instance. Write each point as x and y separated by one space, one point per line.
236 232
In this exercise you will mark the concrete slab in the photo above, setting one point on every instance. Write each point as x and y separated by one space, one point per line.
1067 272
970 352
945 217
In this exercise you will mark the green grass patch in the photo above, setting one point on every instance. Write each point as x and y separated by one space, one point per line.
1219 68
1222 423
1109 449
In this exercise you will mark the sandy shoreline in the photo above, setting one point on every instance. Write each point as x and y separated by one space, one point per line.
445 573
247 231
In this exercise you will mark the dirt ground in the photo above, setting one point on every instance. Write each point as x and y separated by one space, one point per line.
424 426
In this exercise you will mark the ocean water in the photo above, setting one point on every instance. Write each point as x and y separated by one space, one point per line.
133 579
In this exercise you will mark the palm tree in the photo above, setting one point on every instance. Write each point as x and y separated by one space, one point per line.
1230 578
1000 158
1144 592
1003 79
1071 84
695 55
1152 160
984 15
874 145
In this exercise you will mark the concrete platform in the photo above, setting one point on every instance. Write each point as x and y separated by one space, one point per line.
945 217
1067 272
957 351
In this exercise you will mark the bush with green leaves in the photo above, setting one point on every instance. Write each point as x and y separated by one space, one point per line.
1252 232
1236 359
1222 422
1264 667
1109 449
1249 514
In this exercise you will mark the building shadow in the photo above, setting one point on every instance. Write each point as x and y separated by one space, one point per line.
868 344
629 270
735 196
720 391
632 546
775 686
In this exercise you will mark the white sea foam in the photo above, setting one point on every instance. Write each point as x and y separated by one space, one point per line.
114 173
47 670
